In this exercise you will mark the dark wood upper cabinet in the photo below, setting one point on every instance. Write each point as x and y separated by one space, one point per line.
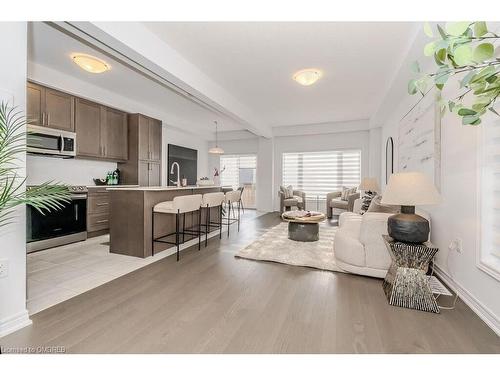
144 147
35 104
88 129
155 139
115 134
144 134
59 110
48 107
101 132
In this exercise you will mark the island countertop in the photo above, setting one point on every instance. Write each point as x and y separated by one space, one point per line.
131 222
163 188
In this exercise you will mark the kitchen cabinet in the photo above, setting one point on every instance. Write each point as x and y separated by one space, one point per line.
115 134
101 132
149 133
97 211
49 107
144 146
88 129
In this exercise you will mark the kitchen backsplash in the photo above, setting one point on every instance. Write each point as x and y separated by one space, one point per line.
70 171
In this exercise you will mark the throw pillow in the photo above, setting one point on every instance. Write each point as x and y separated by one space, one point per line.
287 191
346 192
376 206
366 201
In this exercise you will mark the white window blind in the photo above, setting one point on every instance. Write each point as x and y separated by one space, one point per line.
239 170
490 197
319 173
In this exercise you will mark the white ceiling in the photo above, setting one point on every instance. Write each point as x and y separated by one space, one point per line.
255 63
52 48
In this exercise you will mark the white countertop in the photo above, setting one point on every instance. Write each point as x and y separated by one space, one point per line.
163 188
114 186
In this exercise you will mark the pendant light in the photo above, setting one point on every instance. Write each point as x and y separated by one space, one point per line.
216 150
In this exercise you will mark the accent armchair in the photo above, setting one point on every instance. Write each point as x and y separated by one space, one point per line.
333 201
298 200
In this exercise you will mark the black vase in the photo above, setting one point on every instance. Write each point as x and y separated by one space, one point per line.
408 227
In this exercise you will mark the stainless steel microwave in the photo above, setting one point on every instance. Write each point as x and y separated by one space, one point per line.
50 142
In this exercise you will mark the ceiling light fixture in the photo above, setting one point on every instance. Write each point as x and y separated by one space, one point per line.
90 63
307 77
216 150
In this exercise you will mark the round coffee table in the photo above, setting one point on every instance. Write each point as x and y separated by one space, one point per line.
303 226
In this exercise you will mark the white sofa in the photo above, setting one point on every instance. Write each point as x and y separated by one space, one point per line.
358 244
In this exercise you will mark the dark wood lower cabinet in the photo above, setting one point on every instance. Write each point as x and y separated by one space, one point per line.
97 211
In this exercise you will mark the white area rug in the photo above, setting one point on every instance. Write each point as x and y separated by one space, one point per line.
275 246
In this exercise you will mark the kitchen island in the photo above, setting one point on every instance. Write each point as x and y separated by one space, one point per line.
130 218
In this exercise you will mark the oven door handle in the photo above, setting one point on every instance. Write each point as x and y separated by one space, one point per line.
78 196
61 145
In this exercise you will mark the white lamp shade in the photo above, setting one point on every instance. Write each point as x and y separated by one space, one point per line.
216 150
410 189
369 184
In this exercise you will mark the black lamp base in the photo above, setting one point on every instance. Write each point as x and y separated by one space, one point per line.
407 226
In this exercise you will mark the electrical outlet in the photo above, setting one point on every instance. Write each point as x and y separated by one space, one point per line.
456 245
4 268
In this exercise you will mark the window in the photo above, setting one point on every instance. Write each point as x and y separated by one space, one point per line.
488 256
319 173
240 171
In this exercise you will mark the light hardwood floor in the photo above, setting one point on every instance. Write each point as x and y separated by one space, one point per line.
211 302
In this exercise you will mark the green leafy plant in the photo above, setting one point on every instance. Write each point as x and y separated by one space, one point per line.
466 49
45 197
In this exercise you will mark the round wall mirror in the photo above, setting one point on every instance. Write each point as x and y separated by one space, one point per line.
389 159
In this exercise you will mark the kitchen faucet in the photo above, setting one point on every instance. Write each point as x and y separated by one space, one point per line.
178 182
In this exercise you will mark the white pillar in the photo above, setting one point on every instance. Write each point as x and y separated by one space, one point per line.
13 313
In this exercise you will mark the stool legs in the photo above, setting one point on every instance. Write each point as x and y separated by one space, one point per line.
199 229
239 215
228 217
207 225
220 222
177 233
152 233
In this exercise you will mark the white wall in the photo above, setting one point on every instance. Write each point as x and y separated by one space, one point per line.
457 215
88 169
13 313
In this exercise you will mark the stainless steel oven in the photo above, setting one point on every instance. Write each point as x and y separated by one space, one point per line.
59 227
51 142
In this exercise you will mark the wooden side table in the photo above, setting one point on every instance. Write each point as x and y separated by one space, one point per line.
406 284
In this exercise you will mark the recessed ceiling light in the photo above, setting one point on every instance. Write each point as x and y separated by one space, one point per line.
90 63
307 77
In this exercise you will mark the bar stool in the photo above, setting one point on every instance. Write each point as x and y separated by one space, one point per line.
212 200
230 198
178 206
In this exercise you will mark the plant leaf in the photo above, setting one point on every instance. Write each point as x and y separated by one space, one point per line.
463 55
465 81
441 32
412 87
415 67
470 120
480 28
493 110
466 112
482 52
457 28
429 49
428 30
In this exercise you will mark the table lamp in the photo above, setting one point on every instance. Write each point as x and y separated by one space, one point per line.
369 184
409 189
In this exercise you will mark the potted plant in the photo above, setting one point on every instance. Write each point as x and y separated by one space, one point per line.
13 192
466 50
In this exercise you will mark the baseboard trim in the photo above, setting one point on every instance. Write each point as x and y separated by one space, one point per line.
14 322
485 314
